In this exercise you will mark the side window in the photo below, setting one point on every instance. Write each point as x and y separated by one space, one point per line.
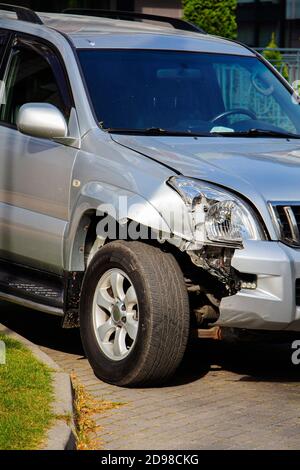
32 77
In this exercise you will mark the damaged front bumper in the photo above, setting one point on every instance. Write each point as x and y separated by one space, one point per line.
272 305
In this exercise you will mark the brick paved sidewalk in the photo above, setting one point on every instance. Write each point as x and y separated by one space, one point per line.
223 397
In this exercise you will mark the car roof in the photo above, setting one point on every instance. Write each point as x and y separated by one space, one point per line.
89 32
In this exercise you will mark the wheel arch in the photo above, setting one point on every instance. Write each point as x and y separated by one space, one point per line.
99 200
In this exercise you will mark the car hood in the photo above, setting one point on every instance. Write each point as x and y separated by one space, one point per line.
263 170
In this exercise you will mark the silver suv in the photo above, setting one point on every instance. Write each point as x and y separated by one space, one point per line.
149 185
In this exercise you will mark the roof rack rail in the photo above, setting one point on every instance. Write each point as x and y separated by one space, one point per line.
133 16
23 14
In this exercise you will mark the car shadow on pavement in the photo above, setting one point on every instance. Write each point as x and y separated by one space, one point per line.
257 362
250 361
41 329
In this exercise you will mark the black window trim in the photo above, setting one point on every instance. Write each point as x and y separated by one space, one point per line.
7 45
18 37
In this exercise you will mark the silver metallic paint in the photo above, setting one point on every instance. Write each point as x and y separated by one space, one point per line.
260 169
35 183
272 306
48 211
41 120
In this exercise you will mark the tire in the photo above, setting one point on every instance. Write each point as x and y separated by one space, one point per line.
163 314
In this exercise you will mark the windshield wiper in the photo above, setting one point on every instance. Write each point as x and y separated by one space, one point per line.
259 133
156 131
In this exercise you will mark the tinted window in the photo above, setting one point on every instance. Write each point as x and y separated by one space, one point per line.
253 89
30 79
186 92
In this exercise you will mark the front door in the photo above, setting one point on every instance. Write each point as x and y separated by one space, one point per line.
35 173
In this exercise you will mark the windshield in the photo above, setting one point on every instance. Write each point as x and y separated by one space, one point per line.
187 92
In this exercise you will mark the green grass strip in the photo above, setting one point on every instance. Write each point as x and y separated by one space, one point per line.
26 394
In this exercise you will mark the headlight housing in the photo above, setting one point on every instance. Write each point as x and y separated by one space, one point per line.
225 218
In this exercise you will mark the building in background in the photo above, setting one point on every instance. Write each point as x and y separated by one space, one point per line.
256 19
293 23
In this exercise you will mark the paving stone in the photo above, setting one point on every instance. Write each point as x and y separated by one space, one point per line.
245 397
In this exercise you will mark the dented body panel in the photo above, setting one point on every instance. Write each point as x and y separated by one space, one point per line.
272 305
104 170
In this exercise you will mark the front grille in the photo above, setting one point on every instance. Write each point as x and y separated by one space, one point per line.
298 292
288 217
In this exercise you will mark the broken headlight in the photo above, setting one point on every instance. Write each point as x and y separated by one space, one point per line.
222 216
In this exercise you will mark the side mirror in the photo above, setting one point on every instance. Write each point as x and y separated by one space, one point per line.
42 120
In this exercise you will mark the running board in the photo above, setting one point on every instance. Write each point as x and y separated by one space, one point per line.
32 305
31 288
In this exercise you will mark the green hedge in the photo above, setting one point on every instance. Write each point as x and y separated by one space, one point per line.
273 55
217 17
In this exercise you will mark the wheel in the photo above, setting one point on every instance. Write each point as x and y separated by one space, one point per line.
134 314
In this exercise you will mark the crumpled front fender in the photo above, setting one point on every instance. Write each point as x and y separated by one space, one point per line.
121 205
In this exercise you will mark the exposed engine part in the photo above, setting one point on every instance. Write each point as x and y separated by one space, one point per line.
206 313
239 335
217 261
204 304
192 287
211 333
216 302
207 290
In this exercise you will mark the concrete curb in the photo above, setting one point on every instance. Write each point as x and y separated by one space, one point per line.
61 436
